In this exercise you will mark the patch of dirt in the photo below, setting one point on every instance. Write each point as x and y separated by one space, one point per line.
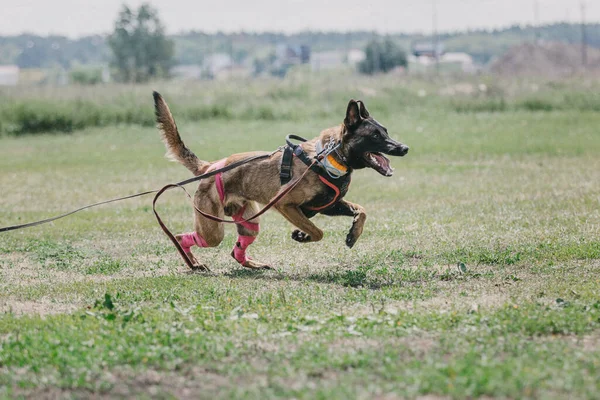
35 307
455 302
190 385
421 344
18 269
591 342
451 296
588 343
122 382
51 393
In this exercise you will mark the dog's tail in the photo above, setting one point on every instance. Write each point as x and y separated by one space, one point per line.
176 149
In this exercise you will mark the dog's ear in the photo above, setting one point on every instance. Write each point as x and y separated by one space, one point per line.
352 114
363 109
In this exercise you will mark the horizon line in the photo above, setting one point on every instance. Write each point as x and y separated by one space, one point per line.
375 32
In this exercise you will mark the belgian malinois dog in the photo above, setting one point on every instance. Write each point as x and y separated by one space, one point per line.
361 142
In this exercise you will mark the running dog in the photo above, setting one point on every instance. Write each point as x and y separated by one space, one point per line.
358 142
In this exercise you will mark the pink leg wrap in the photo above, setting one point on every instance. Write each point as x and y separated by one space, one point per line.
251 226
190 239
239 249
219 178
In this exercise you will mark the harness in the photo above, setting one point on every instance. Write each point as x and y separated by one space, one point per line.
331 172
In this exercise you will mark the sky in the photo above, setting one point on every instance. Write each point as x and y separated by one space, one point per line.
74 18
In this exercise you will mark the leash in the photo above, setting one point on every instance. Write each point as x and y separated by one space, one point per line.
45 221
184 182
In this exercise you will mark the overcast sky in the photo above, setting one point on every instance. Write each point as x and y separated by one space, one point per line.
83 17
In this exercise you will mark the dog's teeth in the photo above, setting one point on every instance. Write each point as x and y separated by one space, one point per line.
374 160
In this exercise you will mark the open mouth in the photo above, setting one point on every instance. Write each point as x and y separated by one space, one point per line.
379 163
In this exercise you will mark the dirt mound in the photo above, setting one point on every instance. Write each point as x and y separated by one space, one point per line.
552 60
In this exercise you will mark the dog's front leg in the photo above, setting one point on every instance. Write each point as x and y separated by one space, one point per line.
346 208
308 232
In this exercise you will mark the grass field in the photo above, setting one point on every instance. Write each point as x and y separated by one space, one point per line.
478 273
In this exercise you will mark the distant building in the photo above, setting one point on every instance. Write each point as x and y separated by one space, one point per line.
428 49
335 59
424 57
462 61
355 56
287 55
215 63
9 75
187 72
327 60
219 66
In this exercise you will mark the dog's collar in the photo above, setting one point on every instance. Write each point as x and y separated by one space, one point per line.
334 167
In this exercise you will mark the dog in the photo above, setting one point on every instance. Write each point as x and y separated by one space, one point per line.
360 142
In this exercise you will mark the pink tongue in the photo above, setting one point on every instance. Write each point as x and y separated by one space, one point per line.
382 161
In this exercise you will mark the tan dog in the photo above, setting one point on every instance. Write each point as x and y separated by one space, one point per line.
359 141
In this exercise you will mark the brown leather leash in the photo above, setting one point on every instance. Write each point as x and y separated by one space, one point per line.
182 183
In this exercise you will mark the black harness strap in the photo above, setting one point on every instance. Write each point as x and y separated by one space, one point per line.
286 165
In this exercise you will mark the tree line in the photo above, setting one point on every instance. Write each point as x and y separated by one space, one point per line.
138 47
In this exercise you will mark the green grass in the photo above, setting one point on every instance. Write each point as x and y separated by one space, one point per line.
478 273
35 110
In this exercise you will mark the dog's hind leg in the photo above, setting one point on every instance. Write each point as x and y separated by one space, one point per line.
208 233
187 240
247 233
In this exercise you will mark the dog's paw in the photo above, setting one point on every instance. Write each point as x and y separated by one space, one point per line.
300 236
351 240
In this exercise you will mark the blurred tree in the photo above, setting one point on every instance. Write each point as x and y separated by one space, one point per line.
382 57
140 48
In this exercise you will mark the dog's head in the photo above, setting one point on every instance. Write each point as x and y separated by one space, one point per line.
365 141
